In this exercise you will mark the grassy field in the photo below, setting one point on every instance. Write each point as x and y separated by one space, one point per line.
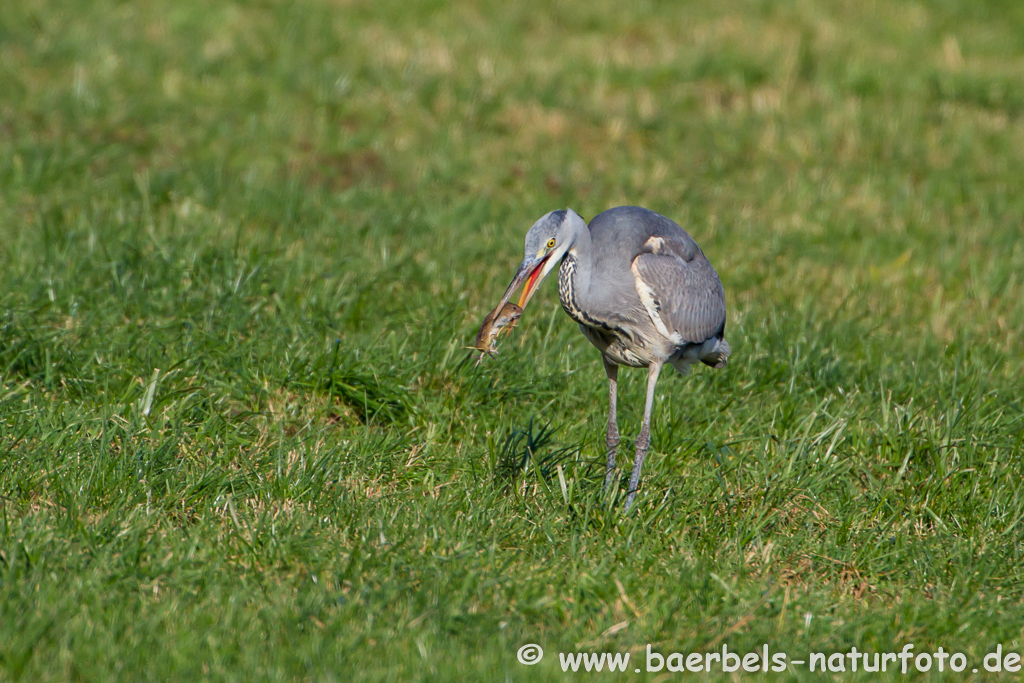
244 244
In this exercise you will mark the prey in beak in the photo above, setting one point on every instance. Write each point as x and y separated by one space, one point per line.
505 314
546 243
494 325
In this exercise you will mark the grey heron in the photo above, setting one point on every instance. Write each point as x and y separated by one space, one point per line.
642 292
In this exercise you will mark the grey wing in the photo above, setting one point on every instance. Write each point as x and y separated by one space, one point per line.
684 298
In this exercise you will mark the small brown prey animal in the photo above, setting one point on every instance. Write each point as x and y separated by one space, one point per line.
497 321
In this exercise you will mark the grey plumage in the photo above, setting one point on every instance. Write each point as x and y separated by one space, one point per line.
642 292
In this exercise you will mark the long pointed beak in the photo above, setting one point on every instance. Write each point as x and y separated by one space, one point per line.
529 270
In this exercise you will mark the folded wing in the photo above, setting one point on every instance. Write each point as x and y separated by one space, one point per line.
681 292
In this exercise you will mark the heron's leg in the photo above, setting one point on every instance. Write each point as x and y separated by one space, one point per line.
644 439
612 440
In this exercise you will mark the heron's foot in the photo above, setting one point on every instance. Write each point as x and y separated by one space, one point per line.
612 443
611 473
642 443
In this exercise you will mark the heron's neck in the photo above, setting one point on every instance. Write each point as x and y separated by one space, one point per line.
580 252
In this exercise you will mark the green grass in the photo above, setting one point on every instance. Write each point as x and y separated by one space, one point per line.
244 244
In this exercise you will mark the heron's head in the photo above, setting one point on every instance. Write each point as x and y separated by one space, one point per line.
546 243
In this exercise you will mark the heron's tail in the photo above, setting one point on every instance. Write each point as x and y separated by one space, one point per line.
717 356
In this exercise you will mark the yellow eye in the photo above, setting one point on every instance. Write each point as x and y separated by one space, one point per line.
551 243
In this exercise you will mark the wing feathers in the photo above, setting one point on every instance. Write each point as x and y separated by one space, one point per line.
684 298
